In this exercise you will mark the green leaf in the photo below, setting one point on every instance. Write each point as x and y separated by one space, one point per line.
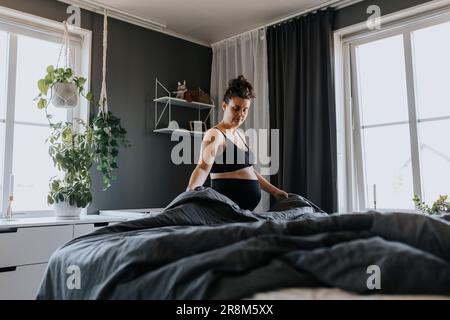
55 186
50 69
49 78
81 81
68 73
43 86
90 96
42 103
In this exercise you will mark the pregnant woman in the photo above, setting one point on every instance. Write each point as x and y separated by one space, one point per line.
226 157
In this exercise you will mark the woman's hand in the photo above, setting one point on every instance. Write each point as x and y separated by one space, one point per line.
280 194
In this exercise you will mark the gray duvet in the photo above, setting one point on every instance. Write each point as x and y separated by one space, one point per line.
203 246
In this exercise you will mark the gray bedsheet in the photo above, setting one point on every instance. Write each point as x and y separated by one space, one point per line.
203 246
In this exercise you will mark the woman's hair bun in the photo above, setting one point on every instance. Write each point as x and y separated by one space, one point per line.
240 88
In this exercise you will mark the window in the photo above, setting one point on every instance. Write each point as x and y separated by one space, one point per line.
383 120
431 52
3 76
24 57
400 111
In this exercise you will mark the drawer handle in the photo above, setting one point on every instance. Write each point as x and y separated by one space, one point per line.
8 230
7 269
101 224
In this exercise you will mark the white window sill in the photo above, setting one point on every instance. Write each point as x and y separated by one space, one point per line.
39 214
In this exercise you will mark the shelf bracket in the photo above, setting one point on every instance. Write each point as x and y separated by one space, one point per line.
168 103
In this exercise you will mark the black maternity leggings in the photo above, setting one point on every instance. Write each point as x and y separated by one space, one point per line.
245 193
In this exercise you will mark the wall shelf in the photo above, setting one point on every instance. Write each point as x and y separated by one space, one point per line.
180 132
168 102
184 103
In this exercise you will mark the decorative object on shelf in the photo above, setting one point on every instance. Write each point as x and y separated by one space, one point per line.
74 149
168 102
197 95
198 126
173 125
439 206
181 90
65 87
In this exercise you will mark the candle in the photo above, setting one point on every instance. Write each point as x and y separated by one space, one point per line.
375 196
11 185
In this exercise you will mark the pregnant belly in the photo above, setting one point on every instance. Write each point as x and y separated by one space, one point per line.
245 193
245 173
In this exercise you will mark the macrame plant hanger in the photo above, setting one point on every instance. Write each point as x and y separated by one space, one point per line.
103 103
65 45
65 95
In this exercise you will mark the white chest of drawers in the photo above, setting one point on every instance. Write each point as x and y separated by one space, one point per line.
26 245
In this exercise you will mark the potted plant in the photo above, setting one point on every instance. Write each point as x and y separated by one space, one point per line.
64 88
440 206
73 153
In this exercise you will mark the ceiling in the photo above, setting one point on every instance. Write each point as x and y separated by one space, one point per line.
209 21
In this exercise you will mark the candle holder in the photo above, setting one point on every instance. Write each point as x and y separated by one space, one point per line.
9 213
375 197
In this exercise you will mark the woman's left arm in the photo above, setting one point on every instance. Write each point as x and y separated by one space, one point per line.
270 188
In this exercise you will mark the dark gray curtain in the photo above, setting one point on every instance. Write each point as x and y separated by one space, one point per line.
302 106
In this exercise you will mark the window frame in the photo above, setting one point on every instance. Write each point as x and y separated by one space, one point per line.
351 182
15 24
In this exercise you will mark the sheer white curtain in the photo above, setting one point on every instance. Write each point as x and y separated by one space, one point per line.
245 54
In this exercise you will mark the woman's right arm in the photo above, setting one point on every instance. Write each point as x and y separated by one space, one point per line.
210 145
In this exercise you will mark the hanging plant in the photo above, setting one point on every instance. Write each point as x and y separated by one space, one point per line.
65 87
109 135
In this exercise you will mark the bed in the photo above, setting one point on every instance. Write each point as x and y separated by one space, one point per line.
203 246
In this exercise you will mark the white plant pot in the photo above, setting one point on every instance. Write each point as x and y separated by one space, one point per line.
65 95
64 210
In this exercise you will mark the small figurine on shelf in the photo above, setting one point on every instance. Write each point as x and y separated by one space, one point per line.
173 125
181 89
197 95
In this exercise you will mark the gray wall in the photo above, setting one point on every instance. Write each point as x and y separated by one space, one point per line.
358 12
146 175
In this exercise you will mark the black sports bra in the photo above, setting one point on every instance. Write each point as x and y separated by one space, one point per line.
236 160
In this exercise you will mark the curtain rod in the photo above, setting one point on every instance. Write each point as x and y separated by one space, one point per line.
128 17
114 12
338 4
